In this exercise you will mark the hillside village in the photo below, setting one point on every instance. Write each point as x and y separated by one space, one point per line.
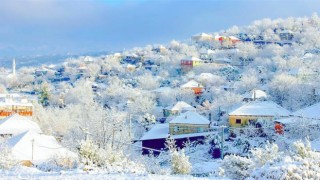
226 104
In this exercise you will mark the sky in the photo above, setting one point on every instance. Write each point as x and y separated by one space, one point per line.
42 27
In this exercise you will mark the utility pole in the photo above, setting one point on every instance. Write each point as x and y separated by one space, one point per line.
222 140
130 127
32 141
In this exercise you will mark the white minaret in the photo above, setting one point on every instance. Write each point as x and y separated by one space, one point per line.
14 67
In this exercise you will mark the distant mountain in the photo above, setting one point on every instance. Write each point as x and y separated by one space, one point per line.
38 60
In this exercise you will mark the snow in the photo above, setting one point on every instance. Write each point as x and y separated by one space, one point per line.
179 136
255 94
190 117
202 35
191 58
33 173
191 84
36 147
16 124
261 108
159 131
315 145
206 51
162 89
295 120
222 60
181 106
312 112
206 76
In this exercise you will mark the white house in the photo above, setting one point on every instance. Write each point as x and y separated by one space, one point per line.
16 124
179 107
311 112
37 148
189 122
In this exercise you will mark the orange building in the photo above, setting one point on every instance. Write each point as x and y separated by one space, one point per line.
193 85
14 103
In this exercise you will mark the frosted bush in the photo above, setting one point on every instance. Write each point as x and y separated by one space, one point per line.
269 163
180 163
7 161
155 164
88 152
261 156
237 167
107 158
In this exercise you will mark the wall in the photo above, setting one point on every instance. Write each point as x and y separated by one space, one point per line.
186 128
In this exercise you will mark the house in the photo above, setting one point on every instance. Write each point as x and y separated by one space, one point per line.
160 49
189 122
303 73
155 140
227 41
191 61
16 124
250 112
178 108
286 35
37 148
202 38
311 112
131 59
82 69
206 54
206 78
221 60
88 60
255 94
196 87
14 103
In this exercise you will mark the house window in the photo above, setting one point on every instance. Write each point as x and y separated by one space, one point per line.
238 121
176 129
199 129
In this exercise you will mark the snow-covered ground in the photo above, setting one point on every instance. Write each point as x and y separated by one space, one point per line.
33 173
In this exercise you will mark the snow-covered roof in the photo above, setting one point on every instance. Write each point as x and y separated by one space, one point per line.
159 131
14 100
190 117
206 51
191 58
233 38
255 94
162 89
16 124
295 120
301 71
191 84
202 35
286 32
181 105
261 108
222 60
312 112
14 95
30 145
206 76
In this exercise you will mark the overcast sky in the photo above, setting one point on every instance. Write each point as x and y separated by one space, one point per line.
31 27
